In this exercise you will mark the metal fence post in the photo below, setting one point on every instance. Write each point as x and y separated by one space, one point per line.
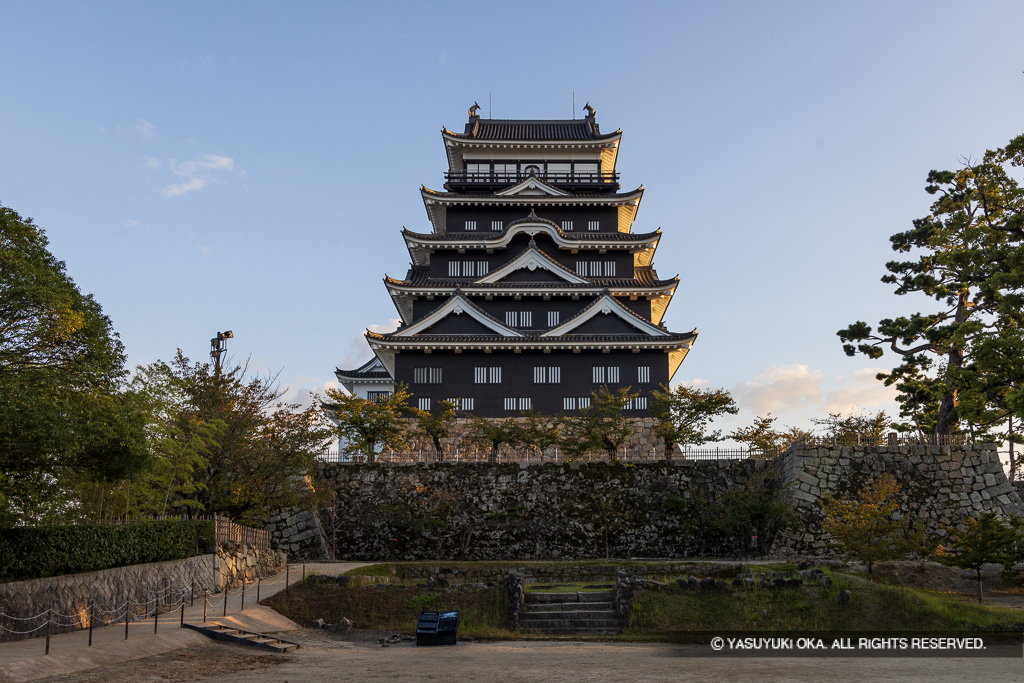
49 626
206 603
303 571
91 610
286 575
156 617
225 601
126 604
258 581
242 608
181 624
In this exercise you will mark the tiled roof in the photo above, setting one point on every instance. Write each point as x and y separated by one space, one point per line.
530 336
645 277
513 129
526 199
575 236
356 374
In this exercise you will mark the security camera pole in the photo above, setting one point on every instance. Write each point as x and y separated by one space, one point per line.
218 347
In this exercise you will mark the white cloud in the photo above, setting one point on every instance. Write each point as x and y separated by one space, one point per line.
861 392
202 165
178 189
780 388
201 246
358 351
197 172
152 162
130 223
145 128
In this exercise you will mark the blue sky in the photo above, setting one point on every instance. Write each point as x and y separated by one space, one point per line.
249 166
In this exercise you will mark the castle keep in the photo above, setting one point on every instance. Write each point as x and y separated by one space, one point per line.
531 291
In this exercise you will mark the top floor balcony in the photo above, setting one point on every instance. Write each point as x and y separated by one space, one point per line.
578 181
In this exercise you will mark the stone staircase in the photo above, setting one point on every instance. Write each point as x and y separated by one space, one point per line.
226 634
584 613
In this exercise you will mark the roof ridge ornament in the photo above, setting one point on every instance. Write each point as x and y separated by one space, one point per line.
591 112
473 109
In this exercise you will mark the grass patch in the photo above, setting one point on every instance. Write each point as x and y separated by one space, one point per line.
391 608
670 614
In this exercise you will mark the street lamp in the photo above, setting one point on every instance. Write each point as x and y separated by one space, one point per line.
218 347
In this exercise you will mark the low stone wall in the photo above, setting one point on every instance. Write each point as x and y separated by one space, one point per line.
237 562
674 509
490 511
299 534
642 438
939 487
149 584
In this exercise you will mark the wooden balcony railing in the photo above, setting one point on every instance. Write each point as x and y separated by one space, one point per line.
602 179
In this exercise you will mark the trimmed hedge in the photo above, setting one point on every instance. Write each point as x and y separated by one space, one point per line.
37 552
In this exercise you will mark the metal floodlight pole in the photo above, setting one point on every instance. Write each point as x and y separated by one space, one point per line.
218 347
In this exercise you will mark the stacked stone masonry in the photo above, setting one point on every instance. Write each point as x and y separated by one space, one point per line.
577 510
110 589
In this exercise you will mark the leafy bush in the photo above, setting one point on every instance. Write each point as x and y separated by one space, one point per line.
28 553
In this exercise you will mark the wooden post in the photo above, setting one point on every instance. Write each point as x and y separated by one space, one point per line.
286 574
181 624
49 625
126 619
258 580
191 593
206 603
242 608
156 617
225 601
91 610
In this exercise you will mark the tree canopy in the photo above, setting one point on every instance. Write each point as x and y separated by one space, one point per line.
367 426
960 361
682 415
62 411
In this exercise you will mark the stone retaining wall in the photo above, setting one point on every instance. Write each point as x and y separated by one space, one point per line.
939 487
110 589
488 511
642 438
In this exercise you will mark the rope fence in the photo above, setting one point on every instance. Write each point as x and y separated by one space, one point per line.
169 598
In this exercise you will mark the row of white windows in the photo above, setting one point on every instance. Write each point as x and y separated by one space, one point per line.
496 226
458 403
487 375
426 375
467 268
577 167
609 374
521 403
591 225
547 374
519 318
518 403
595 268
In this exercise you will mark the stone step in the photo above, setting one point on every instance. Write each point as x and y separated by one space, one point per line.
554 620
568 606
576 631
581 596
226 634
569 625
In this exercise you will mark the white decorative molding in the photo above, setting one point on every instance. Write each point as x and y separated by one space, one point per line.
532 259
457 305
608 305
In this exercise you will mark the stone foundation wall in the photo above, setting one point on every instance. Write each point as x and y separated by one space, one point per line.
299 534
110 589
509 511
939 487
643 438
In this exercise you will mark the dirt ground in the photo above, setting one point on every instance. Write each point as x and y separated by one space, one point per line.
358 656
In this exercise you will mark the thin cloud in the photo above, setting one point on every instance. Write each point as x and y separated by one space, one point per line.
780 388
152 162
197 172
861 392
145 129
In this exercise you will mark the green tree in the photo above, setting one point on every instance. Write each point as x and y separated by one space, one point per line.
855 428
63 415
537 433
863 527
966 255
367 426
600 426
436 425
763 436
224 441
984 540
681 415
492 433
